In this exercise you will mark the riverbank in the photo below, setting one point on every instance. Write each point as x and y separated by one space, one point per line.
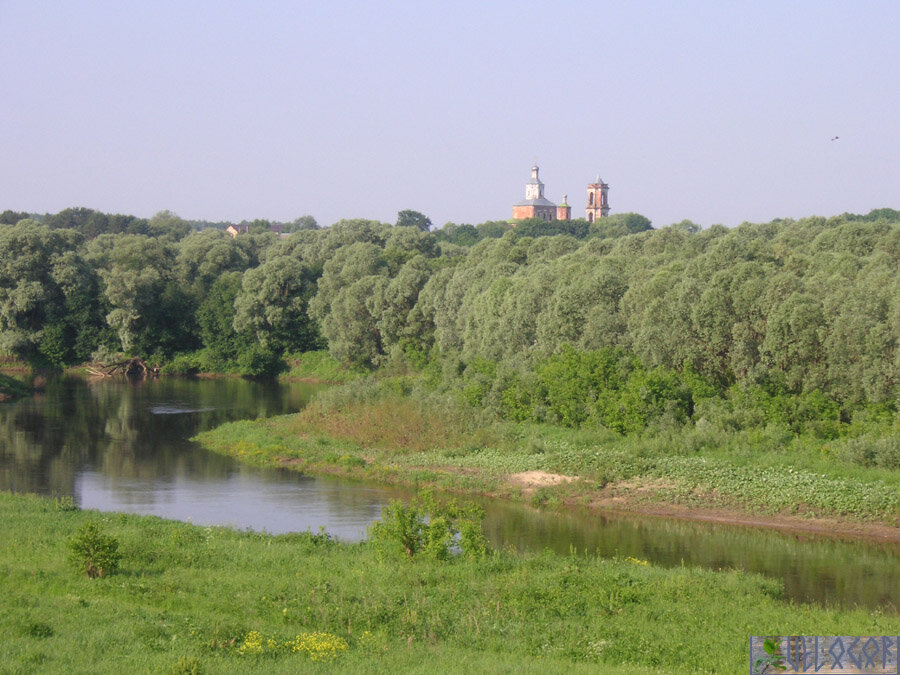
12 388
314 367
207 599
400 441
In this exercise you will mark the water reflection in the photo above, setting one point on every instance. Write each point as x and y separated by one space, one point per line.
849 572
278 502
116 445
125 429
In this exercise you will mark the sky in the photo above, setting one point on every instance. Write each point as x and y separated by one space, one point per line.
716 112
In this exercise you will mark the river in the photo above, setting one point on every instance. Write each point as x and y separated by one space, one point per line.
116 445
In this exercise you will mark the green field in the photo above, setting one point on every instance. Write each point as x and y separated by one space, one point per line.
206 599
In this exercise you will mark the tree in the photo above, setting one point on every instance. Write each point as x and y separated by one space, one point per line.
92 223
204 256
367 291
49 308
408 218
620 224
538 227
461 235
493 229
149 308
215 318
272 306
688 226
79 218
12 217
258 226
302 223
166 223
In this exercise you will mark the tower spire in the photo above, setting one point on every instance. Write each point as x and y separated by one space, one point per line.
597 200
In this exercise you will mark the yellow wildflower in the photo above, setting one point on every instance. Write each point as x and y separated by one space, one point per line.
318 646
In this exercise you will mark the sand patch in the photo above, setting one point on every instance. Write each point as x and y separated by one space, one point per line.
539 479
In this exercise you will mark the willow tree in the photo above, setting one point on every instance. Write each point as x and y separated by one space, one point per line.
49 312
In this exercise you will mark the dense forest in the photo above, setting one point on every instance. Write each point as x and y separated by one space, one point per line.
611 322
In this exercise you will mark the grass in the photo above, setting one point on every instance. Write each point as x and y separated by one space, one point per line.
318 366
314 366
391 436
202 599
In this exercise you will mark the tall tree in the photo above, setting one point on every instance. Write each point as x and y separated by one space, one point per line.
48 296
150 310
272 306
409 218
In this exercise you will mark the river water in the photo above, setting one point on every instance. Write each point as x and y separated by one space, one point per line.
116 445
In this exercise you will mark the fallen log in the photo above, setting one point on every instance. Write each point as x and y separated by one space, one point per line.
133 367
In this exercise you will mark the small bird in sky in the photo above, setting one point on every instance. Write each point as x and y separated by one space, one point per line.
835 138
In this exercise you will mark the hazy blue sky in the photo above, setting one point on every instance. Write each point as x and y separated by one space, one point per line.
718 112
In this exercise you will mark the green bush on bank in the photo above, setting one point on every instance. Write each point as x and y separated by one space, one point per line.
256 361
428 527
612 389
320 366
93 552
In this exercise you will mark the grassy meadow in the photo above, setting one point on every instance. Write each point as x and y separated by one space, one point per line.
191 599
430 440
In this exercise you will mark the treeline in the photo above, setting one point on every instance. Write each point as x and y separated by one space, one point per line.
91 223
791 308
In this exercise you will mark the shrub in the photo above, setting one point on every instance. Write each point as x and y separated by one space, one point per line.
12 388
183 364
427 527
257 361
94 553
869 450
65 504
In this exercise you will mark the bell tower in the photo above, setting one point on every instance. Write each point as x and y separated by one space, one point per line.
534 189
597 200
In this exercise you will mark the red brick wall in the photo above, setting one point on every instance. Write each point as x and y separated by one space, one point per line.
523 212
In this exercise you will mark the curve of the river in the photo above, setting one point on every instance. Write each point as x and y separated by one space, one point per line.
123 446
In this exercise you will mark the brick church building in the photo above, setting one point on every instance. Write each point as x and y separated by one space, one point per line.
536 205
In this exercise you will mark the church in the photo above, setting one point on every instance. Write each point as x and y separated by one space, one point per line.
536 205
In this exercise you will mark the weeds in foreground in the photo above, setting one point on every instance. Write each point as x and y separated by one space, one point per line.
93 552
187 665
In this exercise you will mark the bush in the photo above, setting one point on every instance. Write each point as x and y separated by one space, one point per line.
426 527
94 553
870 451
321 366
183 364
257 361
